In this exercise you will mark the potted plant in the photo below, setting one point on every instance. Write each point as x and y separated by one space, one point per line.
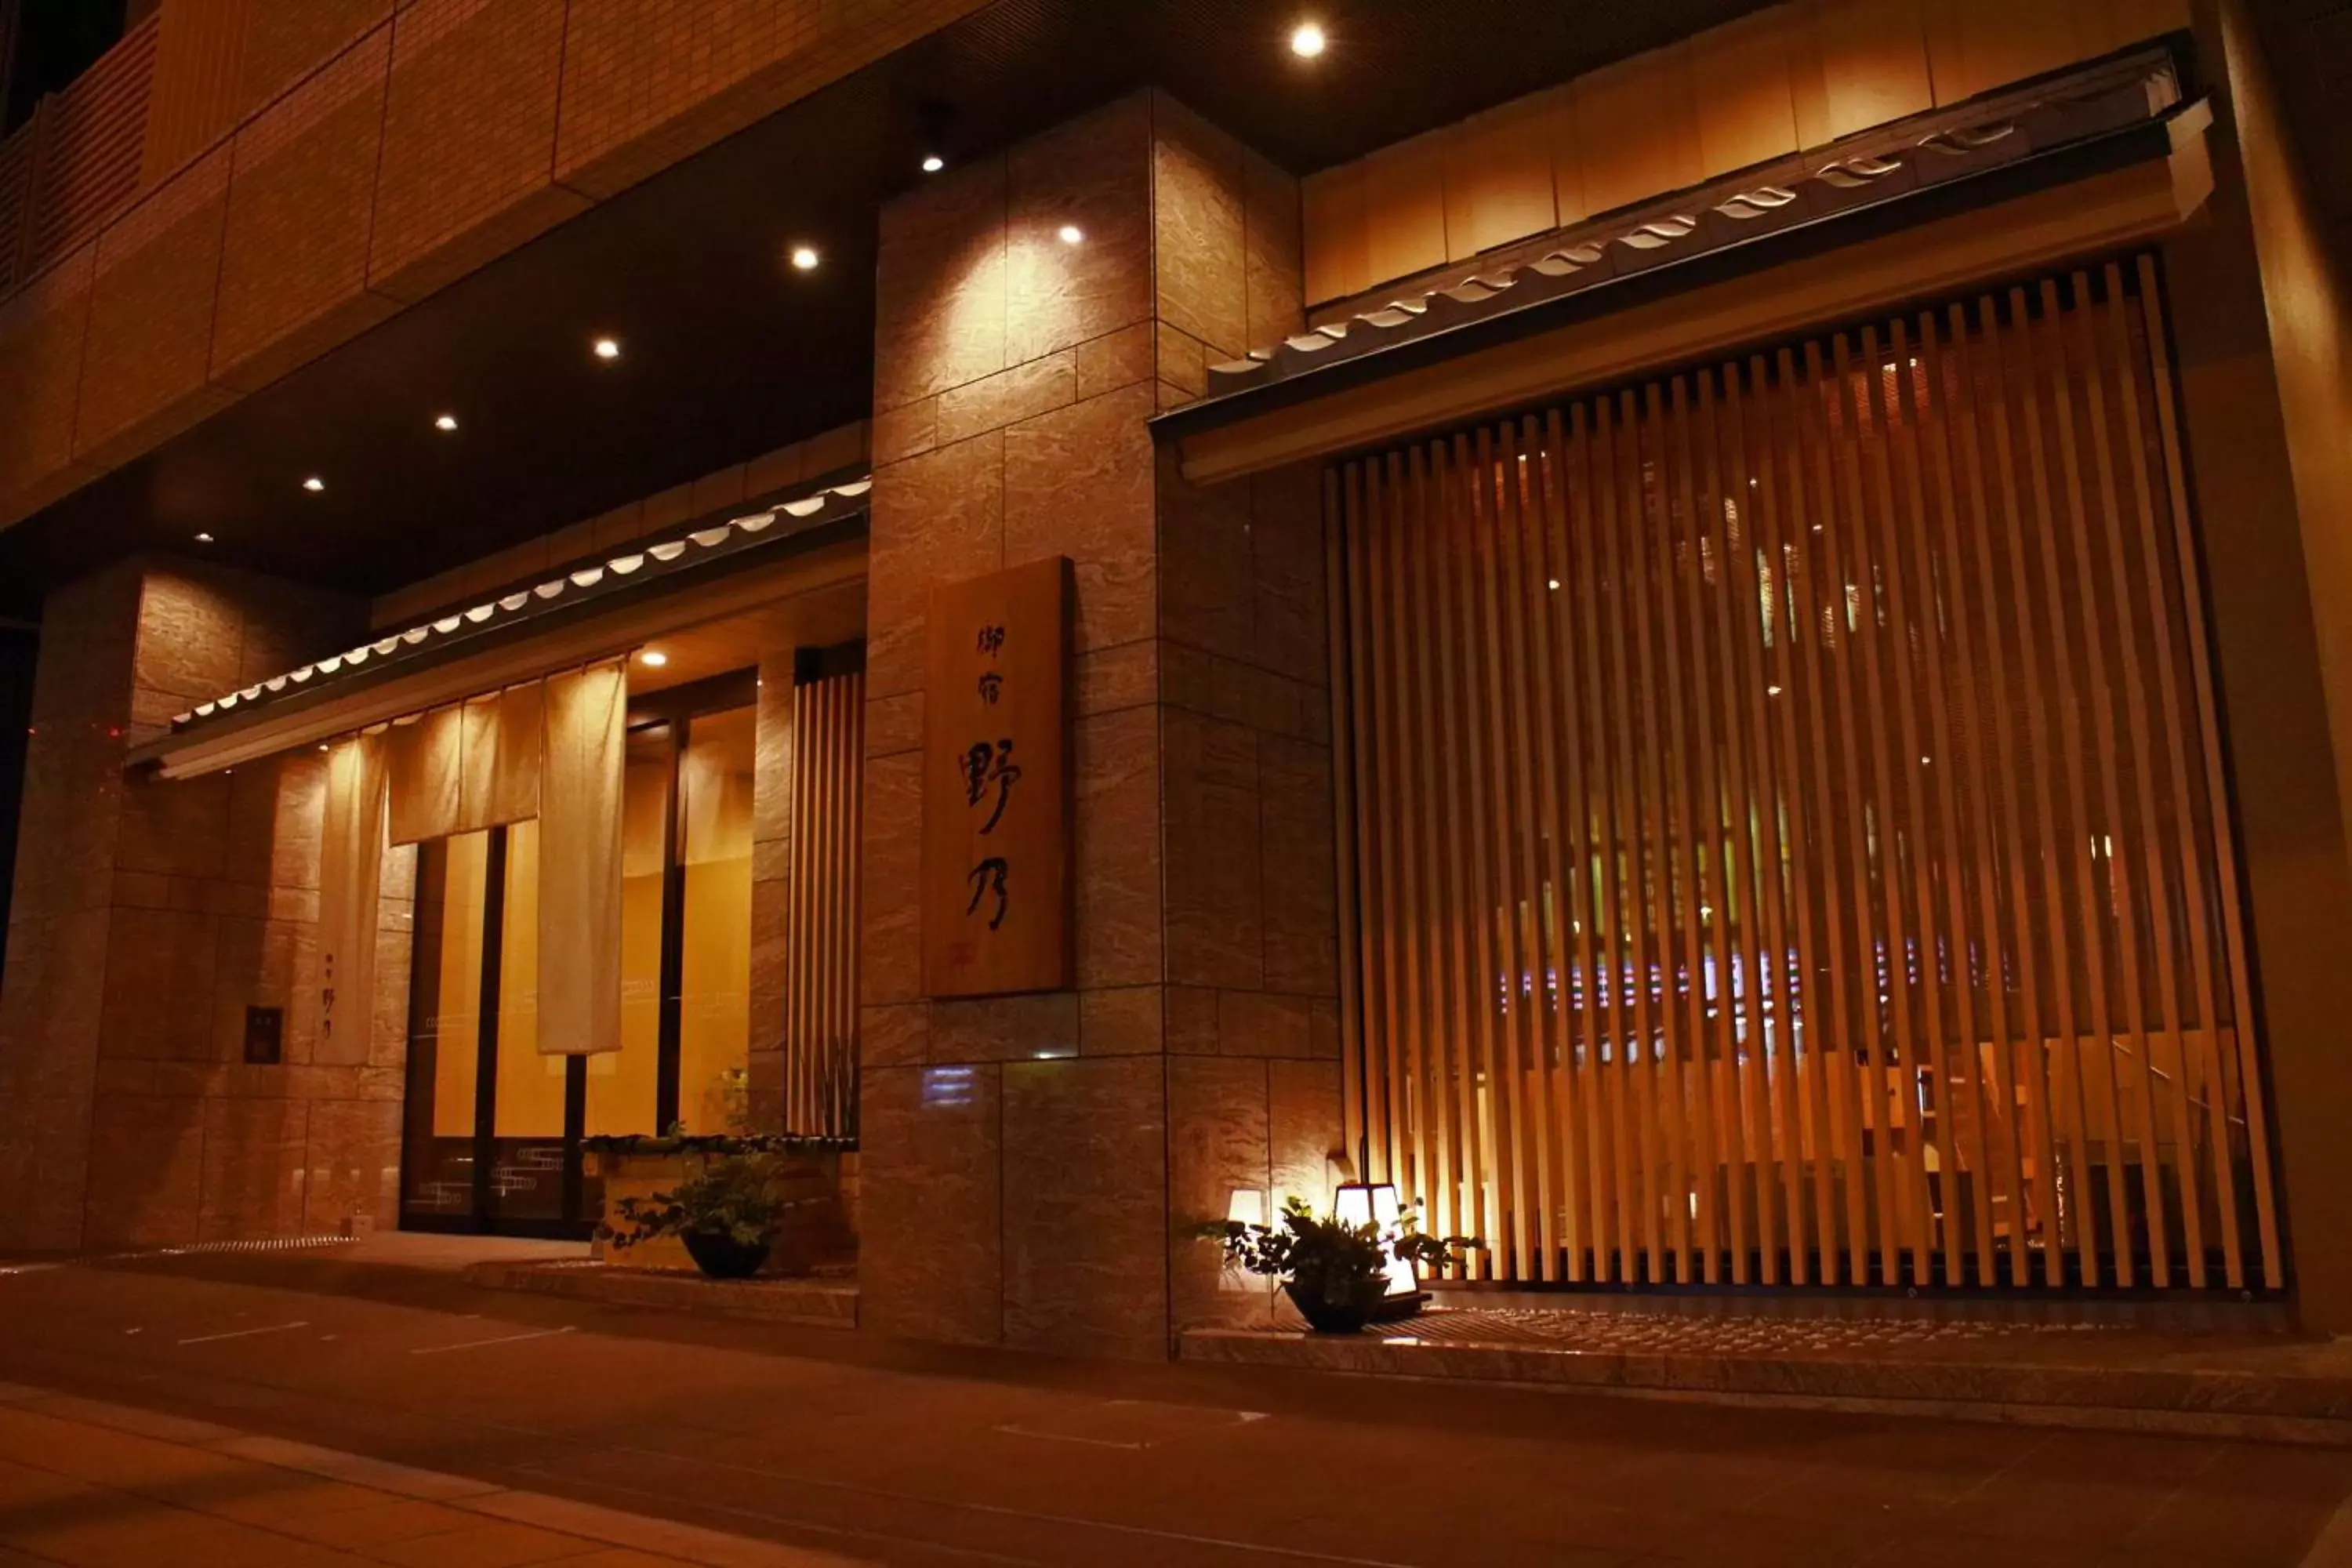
726 1215
1335 1273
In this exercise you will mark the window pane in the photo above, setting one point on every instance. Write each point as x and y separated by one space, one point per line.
715 778
456 1018
531 1085
621 1084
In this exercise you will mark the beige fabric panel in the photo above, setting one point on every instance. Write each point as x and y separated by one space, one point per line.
422 767
580 861
350 869
500 758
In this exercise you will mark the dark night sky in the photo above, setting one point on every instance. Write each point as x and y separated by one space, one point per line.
57 40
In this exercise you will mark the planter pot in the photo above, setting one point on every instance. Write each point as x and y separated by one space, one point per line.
1347 1314
722 1257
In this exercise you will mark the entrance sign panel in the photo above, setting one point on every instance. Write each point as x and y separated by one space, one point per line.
996 814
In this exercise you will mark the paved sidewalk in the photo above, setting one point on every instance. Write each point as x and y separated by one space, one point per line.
92 1484
826 1441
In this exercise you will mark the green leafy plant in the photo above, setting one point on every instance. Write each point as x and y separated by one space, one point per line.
1333 1270
734 1196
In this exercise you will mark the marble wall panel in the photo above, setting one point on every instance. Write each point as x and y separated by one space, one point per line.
1091 173
930 1165
1216 1142
1216 917
940 287
1085 1239
253 1169
935 518
353 1166
146 1171
1003 1028
890 952
1099 449
1197 215
1118 848
1125 1021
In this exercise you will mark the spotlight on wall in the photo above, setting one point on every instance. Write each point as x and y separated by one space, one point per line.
805 258
314 484
1072 234
446 423
608 347
933 164
653 658
1307 40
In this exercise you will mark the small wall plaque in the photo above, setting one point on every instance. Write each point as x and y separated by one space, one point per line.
264 1035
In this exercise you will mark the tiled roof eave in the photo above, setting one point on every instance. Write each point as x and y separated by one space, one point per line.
631 568
2122 111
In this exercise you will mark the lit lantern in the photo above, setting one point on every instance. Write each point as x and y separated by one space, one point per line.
1376 1204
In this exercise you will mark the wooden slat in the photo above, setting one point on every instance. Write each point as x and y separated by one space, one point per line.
1662 1044
2045 384
2224 850
1879 923
1516 531
1345 765
1733 761
1694 800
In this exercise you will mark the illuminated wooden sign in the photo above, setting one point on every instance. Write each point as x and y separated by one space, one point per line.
996 795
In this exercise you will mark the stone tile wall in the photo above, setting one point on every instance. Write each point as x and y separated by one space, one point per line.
1032 1164
149 915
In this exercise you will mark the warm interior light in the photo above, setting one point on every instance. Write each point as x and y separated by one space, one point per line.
608 347
1553 584
314 484
933 164
653 658
805 258
204 538
445 422
1072 234
1246 1207
1307 40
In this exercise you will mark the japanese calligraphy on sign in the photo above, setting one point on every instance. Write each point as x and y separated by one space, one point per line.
996 862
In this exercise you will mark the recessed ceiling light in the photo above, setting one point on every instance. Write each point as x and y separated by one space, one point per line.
204 538
653 658
608 347
804 258
1307 40
445 422
314 484
1072 234
933 164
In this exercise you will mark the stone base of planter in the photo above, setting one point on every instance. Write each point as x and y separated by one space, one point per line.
817 1230
827 1301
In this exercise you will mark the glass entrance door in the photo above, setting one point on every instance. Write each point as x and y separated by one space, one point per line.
493 1128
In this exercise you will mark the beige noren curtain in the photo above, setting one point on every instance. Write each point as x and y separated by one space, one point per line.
466 767
350 868
580 861
500 754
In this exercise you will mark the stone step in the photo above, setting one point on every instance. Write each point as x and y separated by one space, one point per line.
818 1302
2273 1387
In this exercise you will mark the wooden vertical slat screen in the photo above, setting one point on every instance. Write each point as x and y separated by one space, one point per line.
1789 832
827 777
